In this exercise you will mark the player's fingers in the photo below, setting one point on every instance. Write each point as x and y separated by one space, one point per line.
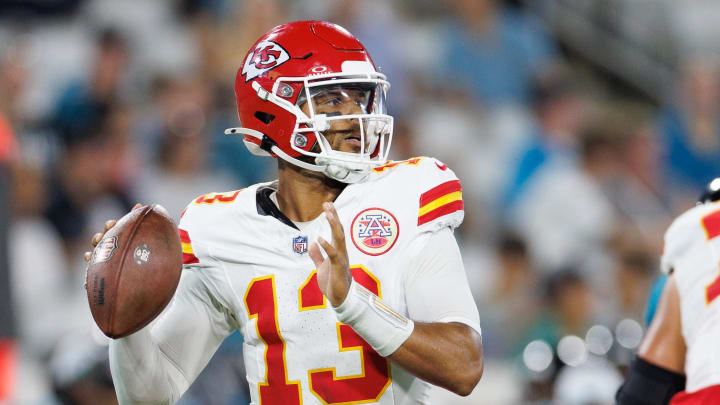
138 205
329 249
87 256
338 234
316 255
96 238
109 224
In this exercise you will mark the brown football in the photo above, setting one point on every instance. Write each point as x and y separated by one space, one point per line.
134 271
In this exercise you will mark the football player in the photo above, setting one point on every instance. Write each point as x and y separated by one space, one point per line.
679 360
343 275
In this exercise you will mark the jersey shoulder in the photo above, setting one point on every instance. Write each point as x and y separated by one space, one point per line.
428 186
205 218
692 229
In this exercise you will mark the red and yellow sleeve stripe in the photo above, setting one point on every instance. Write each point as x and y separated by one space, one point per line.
441 200
187 251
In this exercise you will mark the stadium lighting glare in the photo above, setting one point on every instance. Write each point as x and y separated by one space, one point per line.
537 356
599 340
629 333
572 351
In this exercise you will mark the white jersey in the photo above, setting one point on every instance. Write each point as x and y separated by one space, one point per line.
252 266
692 247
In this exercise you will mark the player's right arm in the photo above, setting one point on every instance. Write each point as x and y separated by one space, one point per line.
658 371
157 364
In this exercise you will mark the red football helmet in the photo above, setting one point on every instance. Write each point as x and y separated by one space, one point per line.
293 66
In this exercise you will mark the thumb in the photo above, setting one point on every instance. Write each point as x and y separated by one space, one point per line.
316 255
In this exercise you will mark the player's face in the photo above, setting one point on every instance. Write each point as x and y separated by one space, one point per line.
344 134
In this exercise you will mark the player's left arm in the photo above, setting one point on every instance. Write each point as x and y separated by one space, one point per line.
445 351
445 347
657 373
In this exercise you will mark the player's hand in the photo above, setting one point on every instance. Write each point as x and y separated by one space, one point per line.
98 236
334 271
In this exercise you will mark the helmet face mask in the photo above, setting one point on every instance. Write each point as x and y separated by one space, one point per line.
322 99
345 109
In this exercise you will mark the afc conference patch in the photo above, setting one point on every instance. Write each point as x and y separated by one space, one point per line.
300 244
374 231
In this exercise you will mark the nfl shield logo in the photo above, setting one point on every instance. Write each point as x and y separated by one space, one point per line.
300 244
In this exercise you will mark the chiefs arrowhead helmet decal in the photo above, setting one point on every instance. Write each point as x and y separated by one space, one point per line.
266 56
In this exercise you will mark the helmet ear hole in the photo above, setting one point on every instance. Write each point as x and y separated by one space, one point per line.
265 118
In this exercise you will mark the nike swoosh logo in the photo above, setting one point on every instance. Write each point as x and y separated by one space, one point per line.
441 167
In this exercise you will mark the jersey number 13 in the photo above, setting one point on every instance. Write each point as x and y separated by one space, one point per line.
261 302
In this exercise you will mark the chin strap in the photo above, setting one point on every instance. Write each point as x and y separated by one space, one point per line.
344 172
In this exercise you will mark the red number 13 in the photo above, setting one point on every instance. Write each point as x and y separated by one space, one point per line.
261 302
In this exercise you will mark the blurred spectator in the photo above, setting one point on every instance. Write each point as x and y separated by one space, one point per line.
90 170
95 131
179 172
565 215
559 116
12 79
13 76
493 52
377 26
160 42
643 201
40 289
568 309
513 301
633 278
82 105
689 126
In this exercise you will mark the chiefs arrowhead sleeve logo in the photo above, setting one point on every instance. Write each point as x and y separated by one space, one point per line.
266 56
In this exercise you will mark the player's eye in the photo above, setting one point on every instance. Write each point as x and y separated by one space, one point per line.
332 101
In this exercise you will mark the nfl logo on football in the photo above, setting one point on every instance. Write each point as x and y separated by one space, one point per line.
300 244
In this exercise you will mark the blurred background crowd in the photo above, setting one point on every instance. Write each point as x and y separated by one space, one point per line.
579 129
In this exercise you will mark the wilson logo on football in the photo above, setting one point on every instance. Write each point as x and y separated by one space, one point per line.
105 249
266 56
374 231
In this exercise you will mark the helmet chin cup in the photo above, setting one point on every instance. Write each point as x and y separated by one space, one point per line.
343 172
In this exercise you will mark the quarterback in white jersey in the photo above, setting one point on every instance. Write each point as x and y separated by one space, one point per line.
343 276
683 339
